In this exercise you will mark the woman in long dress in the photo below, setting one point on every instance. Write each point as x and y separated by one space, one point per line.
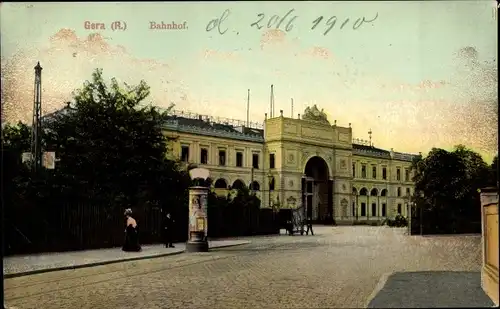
131 233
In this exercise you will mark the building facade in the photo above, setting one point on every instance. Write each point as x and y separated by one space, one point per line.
298 162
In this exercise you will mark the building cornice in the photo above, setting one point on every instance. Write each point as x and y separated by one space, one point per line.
173 125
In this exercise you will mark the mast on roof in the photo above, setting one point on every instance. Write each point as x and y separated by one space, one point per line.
248 108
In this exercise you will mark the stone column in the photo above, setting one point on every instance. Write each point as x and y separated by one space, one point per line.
198 223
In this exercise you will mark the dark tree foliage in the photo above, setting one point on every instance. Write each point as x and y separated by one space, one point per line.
446 187
494 172
15 141
111 147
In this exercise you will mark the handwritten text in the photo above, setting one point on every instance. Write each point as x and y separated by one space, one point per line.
287 21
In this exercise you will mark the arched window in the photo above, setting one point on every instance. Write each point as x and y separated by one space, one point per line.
238 185
384 192
220 184
374 192
255 186
363 191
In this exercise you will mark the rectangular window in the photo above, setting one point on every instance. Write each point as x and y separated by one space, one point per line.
271 160
239 159
222 157
374 209
399 191
398 174
204 156
184 153
363 210
384 173
407 174
363 171
353 170
399 209
408 192
255 160
384 211
374 172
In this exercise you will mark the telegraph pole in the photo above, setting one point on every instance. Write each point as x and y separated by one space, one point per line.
36 127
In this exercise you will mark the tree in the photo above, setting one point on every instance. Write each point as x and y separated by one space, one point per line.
494 172
438 175
15 141
446 186
111 147
16 137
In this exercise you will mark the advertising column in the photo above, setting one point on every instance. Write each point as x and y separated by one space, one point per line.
198 223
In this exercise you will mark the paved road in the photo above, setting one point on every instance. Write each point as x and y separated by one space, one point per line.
337 268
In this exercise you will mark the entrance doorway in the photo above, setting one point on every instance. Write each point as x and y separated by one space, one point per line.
317 191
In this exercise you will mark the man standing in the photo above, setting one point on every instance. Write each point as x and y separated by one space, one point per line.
309 226
168 230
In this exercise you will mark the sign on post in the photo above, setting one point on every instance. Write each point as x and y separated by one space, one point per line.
49 160
26 157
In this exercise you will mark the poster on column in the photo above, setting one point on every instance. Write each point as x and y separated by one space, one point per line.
197 211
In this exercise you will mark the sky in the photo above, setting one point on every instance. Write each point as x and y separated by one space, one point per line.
418 74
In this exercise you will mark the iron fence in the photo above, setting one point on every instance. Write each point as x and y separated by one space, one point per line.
66 227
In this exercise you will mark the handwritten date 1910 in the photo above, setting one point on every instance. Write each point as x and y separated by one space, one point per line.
285 22
330 23
275 21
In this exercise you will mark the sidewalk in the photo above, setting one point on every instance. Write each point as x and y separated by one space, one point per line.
430 289
22 265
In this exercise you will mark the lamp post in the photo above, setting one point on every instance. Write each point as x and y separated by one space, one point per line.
269 180
408 214
421 219
408 211
355 198
421 213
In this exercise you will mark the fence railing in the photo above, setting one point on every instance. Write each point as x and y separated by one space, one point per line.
30 229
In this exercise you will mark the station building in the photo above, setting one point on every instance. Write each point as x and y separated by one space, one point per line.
294 162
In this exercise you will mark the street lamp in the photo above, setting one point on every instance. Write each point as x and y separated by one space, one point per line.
421 219
421 213
355 199
408 212
270 179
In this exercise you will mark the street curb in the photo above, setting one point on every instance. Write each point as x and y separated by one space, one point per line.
101 263
380 285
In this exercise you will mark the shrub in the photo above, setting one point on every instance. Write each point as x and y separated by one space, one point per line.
399 221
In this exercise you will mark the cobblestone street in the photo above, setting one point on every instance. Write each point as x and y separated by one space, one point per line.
339 267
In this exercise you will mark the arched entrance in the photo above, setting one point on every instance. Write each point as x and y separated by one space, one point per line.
317 191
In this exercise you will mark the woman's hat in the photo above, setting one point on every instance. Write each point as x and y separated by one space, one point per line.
128 212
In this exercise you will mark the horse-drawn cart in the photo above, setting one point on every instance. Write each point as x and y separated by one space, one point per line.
295 221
